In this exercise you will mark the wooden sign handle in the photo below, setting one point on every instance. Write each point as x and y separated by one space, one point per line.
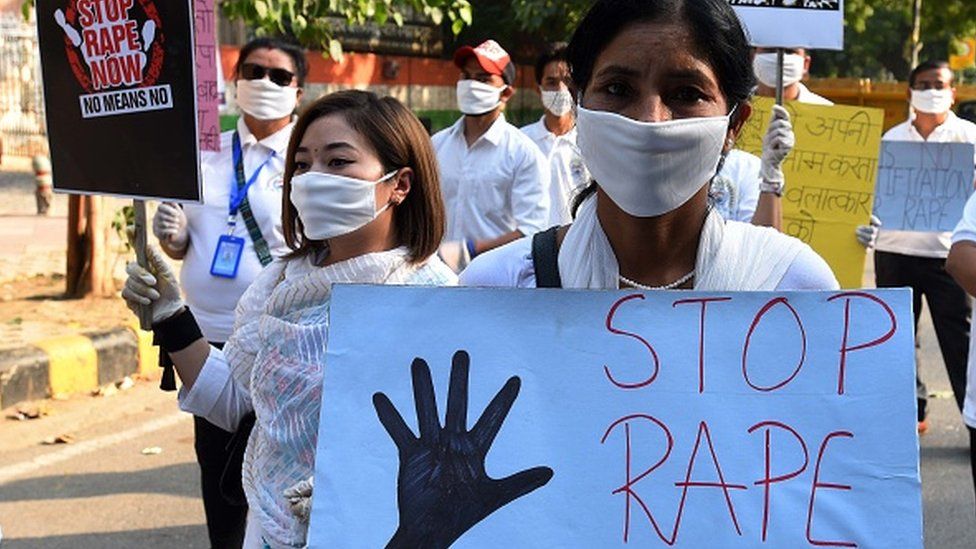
780 52
139 244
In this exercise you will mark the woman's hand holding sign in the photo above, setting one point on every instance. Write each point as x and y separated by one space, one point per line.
443 489
159 287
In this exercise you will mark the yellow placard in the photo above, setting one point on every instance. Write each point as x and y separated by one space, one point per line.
830 177
967 59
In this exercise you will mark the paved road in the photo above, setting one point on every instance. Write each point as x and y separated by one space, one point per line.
947 487
102 491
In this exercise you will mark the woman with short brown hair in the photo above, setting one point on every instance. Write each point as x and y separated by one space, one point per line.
361 205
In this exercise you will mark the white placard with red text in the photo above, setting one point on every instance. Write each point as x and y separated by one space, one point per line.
642 419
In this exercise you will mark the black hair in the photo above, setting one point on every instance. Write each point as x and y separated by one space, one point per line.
927 66
294 51
715 30
553 52
716 33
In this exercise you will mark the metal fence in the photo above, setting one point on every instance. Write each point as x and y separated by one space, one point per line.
22 129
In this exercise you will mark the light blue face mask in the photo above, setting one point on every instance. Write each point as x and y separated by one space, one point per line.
331 205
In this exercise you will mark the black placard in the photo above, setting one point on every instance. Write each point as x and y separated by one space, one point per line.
120 97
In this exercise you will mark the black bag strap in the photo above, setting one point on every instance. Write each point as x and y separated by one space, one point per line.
545 259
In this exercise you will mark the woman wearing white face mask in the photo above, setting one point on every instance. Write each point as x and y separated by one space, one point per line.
652 130
240 218
362 205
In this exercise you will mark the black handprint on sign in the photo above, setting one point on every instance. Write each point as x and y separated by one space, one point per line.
442 487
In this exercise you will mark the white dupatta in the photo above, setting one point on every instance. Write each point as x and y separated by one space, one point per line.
732 256
277 352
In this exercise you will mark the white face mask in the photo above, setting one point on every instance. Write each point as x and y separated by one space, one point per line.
265 100
764 65
650 168
557 102
932 101
476 98
332 205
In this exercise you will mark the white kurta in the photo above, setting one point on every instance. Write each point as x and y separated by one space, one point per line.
568 175
732 256
966 232
273 365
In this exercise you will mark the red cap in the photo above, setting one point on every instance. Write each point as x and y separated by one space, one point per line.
492 58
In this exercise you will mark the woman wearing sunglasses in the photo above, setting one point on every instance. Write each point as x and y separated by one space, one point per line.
240 222
362 205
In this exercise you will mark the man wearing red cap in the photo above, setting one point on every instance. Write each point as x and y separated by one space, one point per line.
494 179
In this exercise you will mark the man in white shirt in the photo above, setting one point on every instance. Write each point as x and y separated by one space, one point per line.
495 181
961 264
555 133
227 240
917 259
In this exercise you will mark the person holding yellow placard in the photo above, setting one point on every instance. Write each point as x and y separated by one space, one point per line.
748 188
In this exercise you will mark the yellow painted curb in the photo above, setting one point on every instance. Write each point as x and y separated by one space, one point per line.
72 363
148 354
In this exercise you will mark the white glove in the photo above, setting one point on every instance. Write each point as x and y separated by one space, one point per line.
161 290
169 225
867 235
777 143
299 498
454 254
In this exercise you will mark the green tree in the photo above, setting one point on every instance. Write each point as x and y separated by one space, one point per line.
311 21
523 27
877 36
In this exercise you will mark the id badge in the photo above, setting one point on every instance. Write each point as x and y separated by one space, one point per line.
228 256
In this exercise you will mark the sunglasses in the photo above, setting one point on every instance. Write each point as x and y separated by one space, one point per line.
252 71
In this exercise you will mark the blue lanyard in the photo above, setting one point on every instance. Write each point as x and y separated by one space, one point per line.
238 192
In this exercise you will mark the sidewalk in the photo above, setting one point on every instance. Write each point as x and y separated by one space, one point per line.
31 244
50 345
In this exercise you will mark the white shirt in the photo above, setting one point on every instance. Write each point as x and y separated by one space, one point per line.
953 130
511 266
498 185
807 96
966 231
735 189
212 298
568 174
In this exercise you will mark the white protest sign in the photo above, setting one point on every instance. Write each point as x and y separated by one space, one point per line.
793 23
923 186
470 417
